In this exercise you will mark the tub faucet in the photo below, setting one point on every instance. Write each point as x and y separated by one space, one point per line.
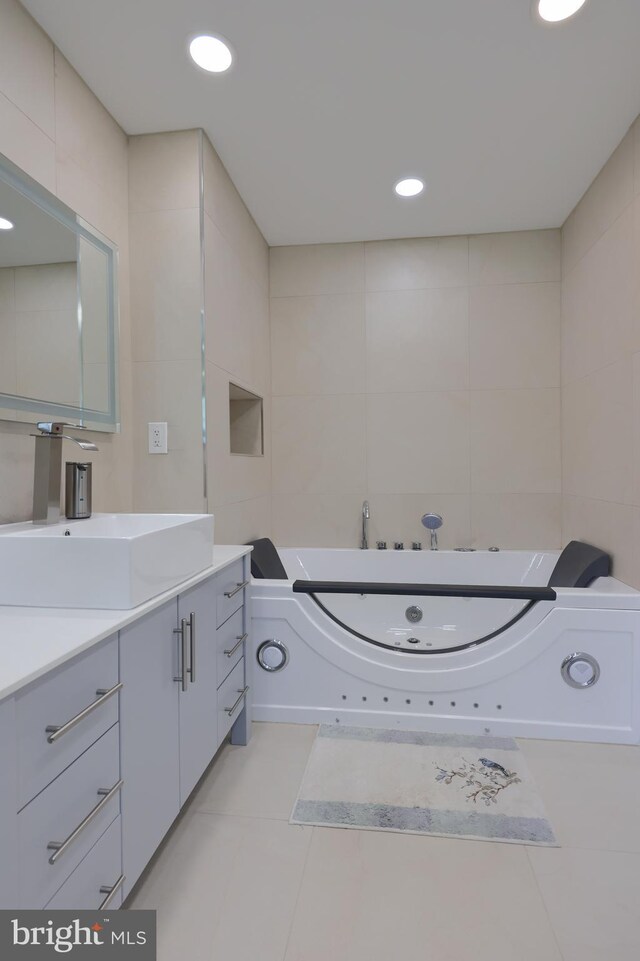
364 541
432 522
47 475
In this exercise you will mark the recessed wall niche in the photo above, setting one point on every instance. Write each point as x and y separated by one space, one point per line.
246 430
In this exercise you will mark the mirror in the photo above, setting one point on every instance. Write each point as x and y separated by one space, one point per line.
58 310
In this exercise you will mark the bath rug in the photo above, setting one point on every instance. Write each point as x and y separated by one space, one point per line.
449 785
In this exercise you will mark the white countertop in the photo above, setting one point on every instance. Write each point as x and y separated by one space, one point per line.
35 640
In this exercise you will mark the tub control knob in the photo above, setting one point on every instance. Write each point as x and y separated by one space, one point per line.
272 655
398 546
580 670
381 545
416 546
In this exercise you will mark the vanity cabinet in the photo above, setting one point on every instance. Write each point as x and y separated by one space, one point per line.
61 783
98 756
8 802
149 748
59 811
86 688
197 692
184 689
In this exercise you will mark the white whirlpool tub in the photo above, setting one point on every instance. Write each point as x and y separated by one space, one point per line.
560 664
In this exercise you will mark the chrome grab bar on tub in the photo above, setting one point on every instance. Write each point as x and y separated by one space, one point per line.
426 590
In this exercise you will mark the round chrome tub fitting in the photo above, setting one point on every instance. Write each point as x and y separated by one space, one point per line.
272 655
413 614
580 670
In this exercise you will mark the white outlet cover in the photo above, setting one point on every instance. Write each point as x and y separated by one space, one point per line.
158 437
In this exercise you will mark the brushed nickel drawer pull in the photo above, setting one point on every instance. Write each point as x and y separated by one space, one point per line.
111 892
192 636
59 847
56 731
182 631
230 710
236 589
235 647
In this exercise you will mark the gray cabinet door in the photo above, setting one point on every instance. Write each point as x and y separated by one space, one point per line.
198 705
149 664
8 806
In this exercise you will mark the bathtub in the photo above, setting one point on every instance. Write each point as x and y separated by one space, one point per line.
536 663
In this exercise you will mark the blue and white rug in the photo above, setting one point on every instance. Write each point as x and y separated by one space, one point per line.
448 785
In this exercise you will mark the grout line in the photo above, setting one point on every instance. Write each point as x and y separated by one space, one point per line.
412 290
55 126
367 391
245 817
297 900
471 532
544 903
411 393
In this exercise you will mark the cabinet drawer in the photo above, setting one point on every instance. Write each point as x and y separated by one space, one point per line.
230 699
59 812
101 868
230 594
230 644
57 699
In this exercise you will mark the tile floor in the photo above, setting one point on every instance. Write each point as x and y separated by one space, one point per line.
236 881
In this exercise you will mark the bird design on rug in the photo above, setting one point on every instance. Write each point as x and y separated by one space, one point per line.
494 766
487 779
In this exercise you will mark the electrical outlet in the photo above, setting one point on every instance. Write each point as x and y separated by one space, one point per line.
158 438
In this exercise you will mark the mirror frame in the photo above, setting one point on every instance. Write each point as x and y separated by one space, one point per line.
11 405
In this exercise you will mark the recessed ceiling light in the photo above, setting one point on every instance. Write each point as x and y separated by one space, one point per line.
554 11
410 187
211 53
5 224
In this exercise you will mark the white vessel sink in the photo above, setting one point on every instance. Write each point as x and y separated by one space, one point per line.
111 561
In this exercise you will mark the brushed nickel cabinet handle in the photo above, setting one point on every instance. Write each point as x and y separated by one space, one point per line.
230 710
56 731
236 589
59 847
235 647
192 638
110 891
182 631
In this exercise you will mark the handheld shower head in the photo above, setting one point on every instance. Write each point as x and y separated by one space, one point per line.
432 521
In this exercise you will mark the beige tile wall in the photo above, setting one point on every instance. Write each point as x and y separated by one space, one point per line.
166 302
188 255
55 129
237 350
422 375
601 362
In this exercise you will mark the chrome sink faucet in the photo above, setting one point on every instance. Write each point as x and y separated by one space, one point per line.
47 474
364 540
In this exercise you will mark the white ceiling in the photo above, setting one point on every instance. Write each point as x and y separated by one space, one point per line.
331 101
